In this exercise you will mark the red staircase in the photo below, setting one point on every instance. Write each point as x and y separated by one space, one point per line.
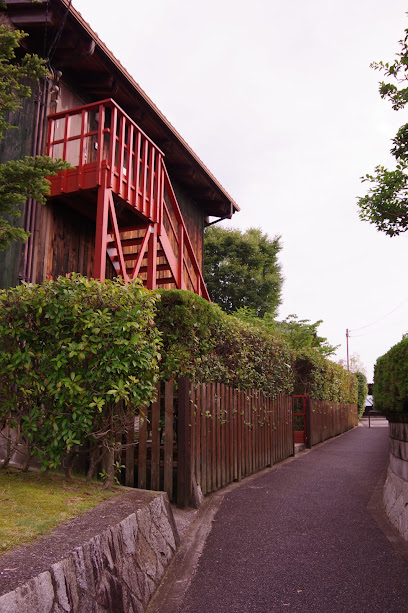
139 225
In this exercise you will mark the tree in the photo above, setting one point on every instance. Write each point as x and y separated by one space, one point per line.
302 334
355 364
19 179
386 204
298 333
241 269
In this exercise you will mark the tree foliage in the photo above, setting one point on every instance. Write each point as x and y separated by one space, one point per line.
302 334
298 333
355 364
386 203
202 342
323 379
24 178
242 269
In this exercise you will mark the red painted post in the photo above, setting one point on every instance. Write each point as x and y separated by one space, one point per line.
152 258
180 280
101 231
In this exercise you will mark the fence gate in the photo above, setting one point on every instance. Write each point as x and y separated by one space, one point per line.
299 418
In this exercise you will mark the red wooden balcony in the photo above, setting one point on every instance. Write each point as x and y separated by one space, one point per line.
139 225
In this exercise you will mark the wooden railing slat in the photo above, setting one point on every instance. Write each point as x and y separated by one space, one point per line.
155 460
142 452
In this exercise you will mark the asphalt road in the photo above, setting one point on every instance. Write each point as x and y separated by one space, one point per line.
307 536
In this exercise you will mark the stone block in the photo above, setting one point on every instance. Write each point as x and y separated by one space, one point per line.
65 584
118 570
128 528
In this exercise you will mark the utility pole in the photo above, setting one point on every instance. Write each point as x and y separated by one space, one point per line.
347 345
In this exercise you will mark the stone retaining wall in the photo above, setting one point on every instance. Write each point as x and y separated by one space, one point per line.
117 570
396 485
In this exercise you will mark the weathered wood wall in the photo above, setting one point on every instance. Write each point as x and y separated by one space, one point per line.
193 218
210 434
65 244
328 419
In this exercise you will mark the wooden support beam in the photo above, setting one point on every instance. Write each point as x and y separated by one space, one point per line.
184 475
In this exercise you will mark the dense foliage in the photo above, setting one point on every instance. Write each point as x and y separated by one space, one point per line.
391 380
298 333
323 379
362 392
242 269
24 178
386 204
202 342
77 355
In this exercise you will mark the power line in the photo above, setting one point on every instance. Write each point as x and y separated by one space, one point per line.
379 319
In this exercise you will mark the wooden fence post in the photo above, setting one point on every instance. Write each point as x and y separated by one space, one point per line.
130 451
184 444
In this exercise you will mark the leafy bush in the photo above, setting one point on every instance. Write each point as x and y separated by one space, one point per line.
323 379
391 380
362 392
202 342
77 356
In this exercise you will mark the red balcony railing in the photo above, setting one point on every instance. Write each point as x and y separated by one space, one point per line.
98 138
106 148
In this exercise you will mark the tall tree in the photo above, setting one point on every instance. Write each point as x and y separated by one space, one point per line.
386 204
19 179
302 334
299 333
241 269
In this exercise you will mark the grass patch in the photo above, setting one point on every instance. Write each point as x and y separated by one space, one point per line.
32 504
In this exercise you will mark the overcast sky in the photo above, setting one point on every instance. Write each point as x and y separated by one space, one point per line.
279 101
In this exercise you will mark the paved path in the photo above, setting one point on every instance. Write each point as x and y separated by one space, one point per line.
300 538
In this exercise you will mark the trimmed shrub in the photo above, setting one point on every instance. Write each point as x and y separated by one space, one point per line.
323 379
202 342
390 389
77 356
362 392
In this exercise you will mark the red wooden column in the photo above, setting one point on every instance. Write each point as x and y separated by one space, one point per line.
102 215
152 258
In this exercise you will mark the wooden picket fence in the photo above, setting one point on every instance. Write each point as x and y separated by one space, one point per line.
328 419
208 435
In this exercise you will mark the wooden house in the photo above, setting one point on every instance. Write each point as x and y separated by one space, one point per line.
137 198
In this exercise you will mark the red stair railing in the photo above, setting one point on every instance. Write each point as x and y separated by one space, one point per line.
108 150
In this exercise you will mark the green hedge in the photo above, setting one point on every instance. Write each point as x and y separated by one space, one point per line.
76 355
323 379
362 392
391 380
200 341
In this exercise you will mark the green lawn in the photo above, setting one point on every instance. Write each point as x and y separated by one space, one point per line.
33 503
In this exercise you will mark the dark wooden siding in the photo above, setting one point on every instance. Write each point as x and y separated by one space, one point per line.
66 243
193 218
